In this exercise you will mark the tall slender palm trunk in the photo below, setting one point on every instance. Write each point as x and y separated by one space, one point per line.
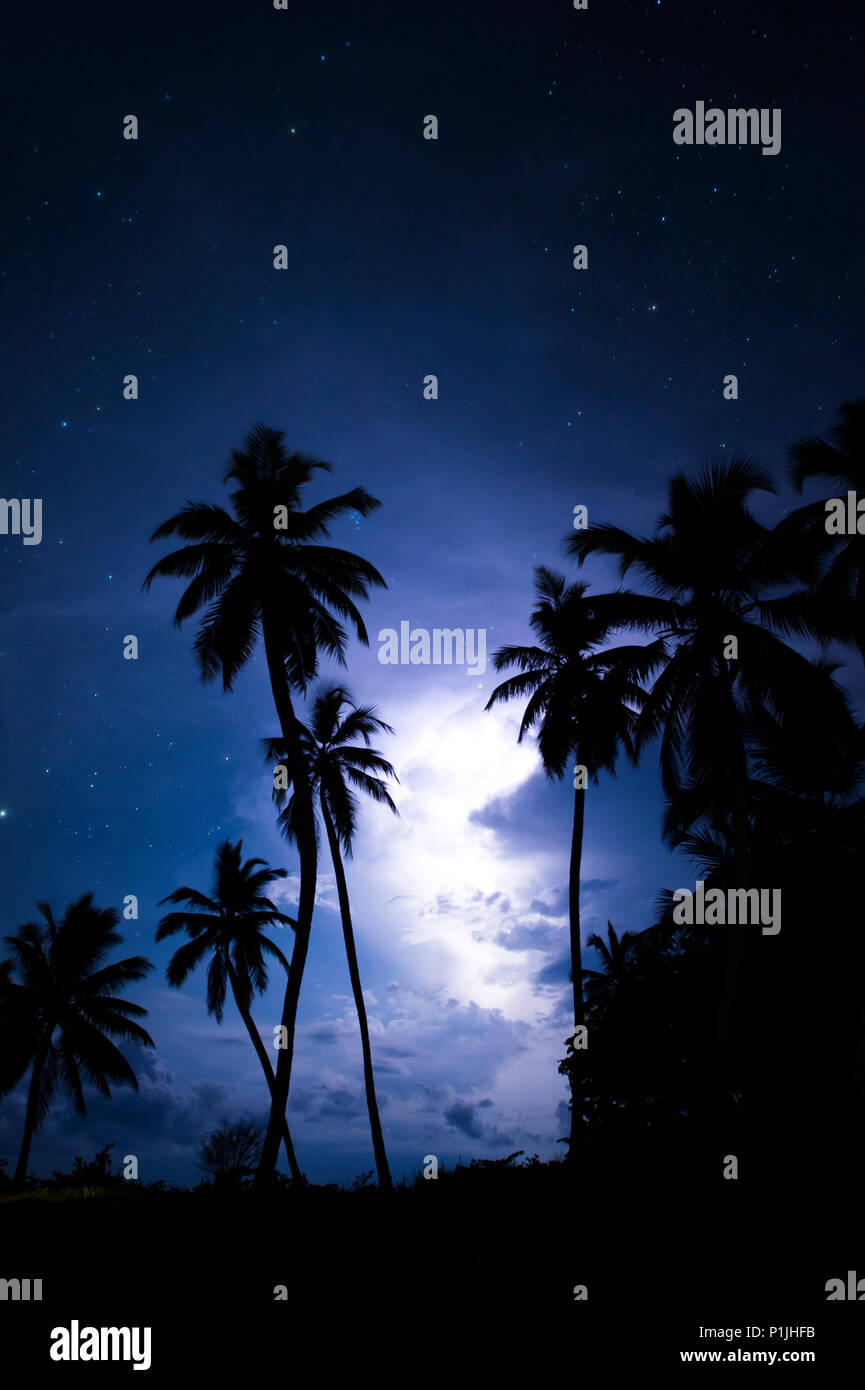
307 853
30 1116
384 1178
576 960
261 1051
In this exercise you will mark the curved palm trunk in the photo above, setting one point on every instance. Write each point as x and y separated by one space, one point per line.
385 1181
263 1058
306 848
576 957
30 1117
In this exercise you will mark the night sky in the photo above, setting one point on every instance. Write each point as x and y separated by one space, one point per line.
406 257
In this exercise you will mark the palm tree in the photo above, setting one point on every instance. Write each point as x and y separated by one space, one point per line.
618 957
230 928
262 575
712 567
842 462
66 1001
583 700
802 808
336 765
716 572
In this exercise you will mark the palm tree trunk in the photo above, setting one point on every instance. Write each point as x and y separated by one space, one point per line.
385 1181
576 958
30 1117
306 849
263 1058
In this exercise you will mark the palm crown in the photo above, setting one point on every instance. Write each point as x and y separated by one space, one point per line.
70 998
618 954
713 569
230 927
338 766
579 695
840 460
258 576
63 1011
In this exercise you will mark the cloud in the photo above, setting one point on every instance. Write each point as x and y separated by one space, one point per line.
323 1103
460 915
160 1123
535 814
285 893
555 974
529 935
552 902
326 1033
463 1115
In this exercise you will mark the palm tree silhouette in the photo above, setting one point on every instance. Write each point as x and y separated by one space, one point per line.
230 928
583 699
335 761
715 571
803 809
842 462
711 566
262 574
618 956
66 1001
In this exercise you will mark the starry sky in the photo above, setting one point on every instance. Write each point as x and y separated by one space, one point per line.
406 257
